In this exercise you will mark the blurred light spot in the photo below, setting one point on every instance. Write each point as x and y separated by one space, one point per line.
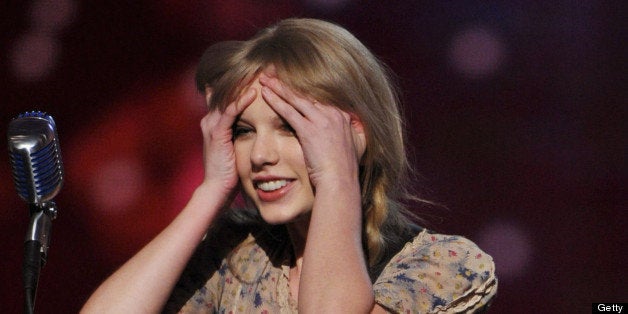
117 185
510 246
190 175
33 56
476 52
327 5
52 16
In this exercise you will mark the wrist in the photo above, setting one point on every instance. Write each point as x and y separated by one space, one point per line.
208 198
214 189
341 192
338 184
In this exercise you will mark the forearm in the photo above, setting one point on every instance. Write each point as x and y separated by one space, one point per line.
334 274
143 284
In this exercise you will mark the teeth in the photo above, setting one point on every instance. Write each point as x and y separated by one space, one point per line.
272 185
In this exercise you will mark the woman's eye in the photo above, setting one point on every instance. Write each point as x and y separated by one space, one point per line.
239 131
286 127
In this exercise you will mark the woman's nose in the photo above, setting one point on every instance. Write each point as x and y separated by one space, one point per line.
264 151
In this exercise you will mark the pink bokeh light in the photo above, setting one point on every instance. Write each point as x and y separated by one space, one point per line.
52 16
33 56
511 246
476 52
118 184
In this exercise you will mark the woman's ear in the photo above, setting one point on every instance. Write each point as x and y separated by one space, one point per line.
359 136
208 94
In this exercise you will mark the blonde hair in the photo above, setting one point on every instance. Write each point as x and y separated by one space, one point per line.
326 62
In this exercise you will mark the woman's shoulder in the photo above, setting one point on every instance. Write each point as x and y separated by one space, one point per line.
437 272
231 252
451 247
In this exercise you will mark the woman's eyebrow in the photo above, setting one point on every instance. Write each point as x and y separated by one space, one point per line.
240 119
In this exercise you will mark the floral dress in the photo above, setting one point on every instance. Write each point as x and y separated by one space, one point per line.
432 273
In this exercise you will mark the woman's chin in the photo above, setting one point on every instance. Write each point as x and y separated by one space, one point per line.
276 218
279 218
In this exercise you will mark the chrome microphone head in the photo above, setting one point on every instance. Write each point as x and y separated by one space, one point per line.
35 156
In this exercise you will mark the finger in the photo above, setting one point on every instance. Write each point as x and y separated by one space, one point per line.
284 109
270 71
209 120
299 102
236 108
244 100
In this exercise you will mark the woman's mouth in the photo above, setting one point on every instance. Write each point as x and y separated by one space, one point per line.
268 186
272 190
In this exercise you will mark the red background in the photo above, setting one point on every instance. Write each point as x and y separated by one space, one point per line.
516 121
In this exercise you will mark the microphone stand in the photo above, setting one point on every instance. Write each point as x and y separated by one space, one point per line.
36 249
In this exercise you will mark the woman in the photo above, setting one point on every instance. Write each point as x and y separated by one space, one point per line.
304 121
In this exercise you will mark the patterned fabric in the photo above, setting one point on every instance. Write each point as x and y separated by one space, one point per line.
433 273
437 273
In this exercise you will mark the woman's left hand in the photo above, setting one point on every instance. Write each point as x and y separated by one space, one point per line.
332 140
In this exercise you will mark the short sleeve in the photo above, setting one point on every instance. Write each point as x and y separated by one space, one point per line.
437 274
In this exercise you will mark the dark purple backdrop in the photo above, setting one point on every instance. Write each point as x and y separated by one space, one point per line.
515 114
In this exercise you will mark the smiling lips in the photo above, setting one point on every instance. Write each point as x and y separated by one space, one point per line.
272 190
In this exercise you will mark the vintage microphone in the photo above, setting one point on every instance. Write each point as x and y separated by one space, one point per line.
38 176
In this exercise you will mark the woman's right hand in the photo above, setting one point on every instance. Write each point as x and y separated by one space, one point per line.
144 283
218 152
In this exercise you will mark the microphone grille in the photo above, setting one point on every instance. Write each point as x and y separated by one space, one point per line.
35 156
